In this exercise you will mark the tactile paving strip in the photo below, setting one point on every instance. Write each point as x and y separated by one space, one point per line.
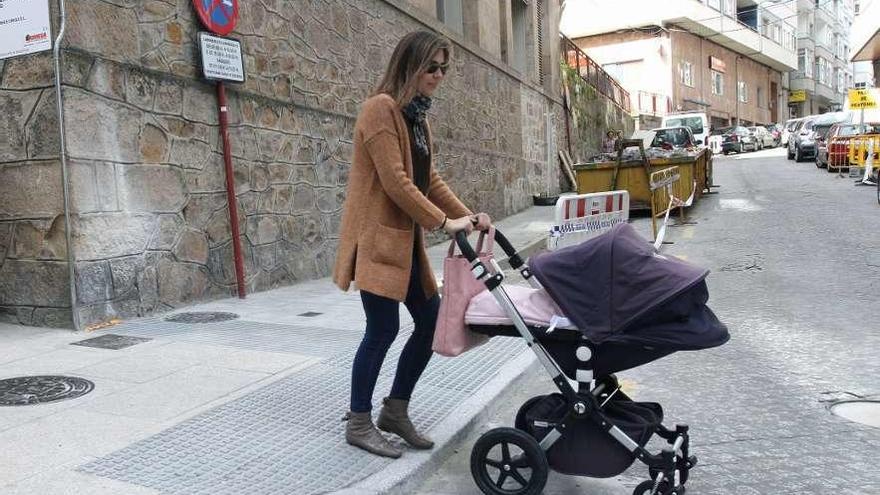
243 334
288 437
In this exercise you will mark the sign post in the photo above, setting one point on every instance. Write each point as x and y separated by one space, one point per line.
24 27
222 61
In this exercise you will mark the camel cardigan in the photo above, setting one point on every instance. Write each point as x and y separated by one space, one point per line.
383 204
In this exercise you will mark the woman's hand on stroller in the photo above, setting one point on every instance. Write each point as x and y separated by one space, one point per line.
454 225
481 221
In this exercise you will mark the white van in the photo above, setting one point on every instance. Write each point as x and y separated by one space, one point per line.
697 121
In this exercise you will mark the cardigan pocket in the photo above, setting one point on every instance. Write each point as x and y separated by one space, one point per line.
390 246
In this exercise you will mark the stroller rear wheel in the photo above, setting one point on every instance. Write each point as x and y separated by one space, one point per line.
507 461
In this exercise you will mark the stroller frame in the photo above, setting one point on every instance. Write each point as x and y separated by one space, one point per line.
668 469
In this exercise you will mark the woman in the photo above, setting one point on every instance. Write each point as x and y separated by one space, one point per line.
609 142
393 194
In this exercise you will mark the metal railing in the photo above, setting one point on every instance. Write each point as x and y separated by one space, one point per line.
594 75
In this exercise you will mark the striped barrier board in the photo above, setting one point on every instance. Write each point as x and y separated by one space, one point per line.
585 216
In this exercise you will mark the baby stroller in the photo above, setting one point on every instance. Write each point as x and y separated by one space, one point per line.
606 305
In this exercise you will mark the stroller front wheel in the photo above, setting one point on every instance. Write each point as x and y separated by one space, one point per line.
507 461
647 487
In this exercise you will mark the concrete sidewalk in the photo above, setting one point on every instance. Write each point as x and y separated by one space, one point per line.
248 405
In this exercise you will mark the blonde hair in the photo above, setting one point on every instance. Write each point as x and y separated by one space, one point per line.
411 57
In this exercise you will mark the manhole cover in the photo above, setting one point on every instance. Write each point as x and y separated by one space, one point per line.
28 390
866 412
111 341
201 317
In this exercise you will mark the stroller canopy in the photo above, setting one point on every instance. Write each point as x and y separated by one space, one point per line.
604 285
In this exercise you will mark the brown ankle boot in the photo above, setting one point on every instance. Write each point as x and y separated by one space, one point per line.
361 432
394 418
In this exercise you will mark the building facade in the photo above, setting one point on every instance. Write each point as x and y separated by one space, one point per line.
865 44
824 73
149 218
716 56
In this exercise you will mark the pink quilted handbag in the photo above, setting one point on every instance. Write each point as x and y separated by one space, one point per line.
452 337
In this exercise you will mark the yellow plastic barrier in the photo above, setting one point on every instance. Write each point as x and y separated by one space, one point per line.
858 149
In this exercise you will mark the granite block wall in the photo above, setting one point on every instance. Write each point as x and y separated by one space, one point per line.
150 222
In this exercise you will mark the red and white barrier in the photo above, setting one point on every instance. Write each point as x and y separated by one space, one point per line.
585 216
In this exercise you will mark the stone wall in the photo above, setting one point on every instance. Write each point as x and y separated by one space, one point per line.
590 116
150 222
33 270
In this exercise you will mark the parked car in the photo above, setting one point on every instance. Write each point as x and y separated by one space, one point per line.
839 137
674 137
821 127
801 141
787 128
698 122
762 137
737 139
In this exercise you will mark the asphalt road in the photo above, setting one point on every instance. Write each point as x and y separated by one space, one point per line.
795 259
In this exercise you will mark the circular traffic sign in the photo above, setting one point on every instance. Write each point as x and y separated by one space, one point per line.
219 16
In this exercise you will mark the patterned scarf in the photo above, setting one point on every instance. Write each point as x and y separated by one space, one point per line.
415 112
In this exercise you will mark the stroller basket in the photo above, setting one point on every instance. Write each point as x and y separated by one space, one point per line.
585 449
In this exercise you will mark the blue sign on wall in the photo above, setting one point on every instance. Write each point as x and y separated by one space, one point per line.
219 16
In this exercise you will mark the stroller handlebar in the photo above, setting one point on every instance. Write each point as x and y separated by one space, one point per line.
461 238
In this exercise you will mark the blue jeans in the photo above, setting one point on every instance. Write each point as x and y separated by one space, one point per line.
383 324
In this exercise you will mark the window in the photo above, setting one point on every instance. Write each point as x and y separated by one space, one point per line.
730 8
805 62
742 91
823 71
760 97
687 74
715 4
519 15
717 83
449 12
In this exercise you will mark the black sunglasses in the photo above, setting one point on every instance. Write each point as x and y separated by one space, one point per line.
434 67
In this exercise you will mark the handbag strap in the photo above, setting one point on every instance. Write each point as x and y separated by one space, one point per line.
490 245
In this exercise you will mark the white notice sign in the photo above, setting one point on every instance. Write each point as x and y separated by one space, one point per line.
221 58
24 27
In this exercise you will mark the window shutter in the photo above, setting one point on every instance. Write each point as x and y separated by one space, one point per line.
539 30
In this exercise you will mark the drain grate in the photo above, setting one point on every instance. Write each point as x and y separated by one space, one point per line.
30 390
866 412
111 341
310 314
201 317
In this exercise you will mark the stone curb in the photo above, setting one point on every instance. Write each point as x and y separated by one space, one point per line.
403 476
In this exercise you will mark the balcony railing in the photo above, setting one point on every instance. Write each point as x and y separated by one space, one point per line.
653 103
594 75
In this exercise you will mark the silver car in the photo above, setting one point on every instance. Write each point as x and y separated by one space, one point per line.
763 137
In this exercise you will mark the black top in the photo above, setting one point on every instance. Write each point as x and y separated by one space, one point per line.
421 177
421 164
